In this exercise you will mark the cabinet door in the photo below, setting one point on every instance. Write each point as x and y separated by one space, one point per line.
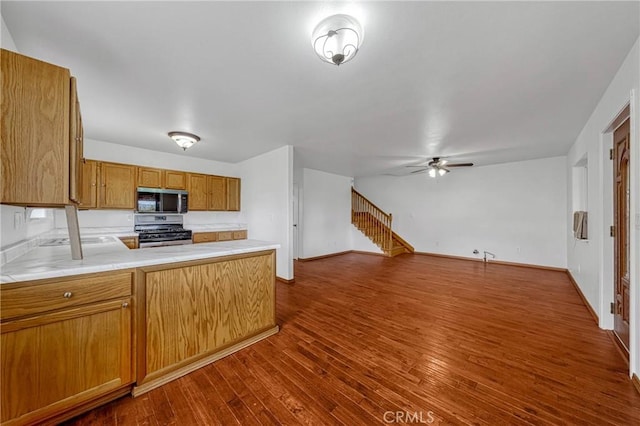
117 186
217 187
175 180
75 146
225 235
197 188
34 132
150 178
204 237
194 310
240 235
89 187
233 194
54 361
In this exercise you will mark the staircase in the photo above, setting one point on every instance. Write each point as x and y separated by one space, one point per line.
376 224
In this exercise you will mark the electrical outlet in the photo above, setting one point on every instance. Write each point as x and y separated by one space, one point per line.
518 250
18 220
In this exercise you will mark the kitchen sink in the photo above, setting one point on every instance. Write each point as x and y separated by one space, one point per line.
85 240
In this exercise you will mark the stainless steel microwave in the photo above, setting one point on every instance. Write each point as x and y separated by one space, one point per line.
153 200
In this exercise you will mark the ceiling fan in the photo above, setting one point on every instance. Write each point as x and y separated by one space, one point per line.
438 166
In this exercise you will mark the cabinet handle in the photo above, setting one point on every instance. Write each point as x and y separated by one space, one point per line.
125 305
67 295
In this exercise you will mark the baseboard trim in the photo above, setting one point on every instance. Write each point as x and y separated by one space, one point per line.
622 350
286 281
636 382
584 299
161 380
324 256
370 253
497 262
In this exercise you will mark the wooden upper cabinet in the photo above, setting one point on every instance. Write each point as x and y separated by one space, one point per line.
76 140
89 187
175 180
35 132
150 178
117 186
198 193
233 194
217 189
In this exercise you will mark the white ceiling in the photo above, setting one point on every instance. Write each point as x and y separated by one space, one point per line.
481 82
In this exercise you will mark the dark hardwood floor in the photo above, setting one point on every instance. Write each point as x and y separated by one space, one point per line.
452 341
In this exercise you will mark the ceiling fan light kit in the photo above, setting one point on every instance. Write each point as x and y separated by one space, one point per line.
438 167
337 39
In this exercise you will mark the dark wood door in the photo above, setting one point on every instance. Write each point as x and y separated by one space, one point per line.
621 182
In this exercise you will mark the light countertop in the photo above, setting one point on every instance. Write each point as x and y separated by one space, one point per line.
111 254
217 227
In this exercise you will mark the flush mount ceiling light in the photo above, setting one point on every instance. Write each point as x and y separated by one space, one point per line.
183 139
336 39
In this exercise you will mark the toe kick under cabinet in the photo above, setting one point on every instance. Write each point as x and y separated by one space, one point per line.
66 345
193 313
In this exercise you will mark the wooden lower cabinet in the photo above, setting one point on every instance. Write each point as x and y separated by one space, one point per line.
192 313
240 235
209 237
131 242
204 237
57 361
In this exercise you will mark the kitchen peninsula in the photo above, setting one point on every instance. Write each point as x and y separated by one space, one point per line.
124 321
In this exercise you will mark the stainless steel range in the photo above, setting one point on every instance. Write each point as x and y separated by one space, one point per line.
161 230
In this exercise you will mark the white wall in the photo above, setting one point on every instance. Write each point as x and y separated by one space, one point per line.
17 224
515 210
106 151
267 188
326 214
360 242
591 263
6 40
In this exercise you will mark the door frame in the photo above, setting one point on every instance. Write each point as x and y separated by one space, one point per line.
621 252
605 189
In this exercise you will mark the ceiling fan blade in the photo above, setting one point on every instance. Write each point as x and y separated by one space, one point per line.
460 165
419 171
424 165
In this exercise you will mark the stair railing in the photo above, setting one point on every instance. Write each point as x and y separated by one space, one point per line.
371 220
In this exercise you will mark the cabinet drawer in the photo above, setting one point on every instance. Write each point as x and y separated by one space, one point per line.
205 237
225 236
47 295
240 235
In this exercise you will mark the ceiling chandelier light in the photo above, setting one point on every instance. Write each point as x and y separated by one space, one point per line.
183 139
336 39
